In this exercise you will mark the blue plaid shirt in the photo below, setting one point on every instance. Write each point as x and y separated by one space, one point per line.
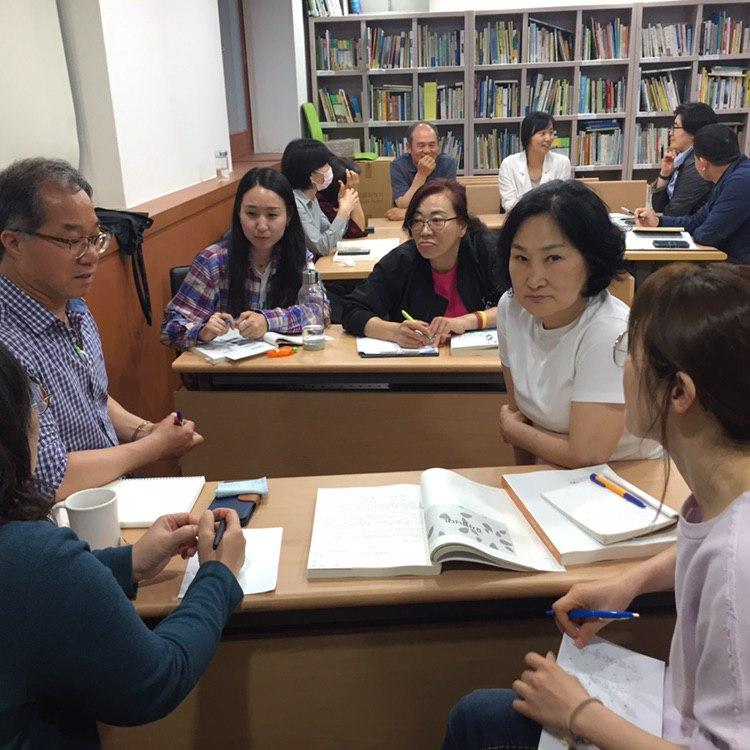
69 362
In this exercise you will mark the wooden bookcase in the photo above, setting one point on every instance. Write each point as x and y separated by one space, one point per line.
570 23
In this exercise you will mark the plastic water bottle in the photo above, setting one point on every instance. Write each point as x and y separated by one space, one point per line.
222 165
312 296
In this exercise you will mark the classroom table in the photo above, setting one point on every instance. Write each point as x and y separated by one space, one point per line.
372 663
330 411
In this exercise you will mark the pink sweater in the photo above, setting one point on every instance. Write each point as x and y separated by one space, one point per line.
707 691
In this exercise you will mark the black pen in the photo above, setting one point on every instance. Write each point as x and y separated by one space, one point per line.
220 533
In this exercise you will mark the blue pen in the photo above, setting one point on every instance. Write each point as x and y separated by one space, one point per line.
601 614
608 484
178 422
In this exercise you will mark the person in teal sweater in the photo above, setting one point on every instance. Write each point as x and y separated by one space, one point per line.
74 651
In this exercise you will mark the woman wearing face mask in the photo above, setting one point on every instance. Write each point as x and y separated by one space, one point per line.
306 164
536 164
251 279
555 330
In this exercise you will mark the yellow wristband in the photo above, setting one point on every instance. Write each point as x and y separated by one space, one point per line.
483 316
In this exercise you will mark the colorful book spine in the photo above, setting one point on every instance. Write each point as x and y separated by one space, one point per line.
491 148
497 43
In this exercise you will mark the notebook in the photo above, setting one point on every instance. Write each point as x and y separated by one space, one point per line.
232 346
409 529
364 249
473 343
367 347
628 683
141 501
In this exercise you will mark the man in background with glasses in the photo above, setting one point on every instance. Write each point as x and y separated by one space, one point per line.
50 244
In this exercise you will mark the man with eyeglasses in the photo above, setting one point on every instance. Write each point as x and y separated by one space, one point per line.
50 244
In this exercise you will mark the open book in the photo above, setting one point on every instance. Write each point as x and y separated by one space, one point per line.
407 529
232 346
473 343
367 347
567 539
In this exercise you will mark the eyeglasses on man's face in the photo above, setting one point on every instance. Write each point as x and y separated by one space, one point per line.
620 349
436 224
78 247
40 397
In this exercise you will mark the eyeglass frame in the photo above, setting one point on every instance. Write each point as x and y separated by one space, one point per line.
91 241
617 349
45 397
430 223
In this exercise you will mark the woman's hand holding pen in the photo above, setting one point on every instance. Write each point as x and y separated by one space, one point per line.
231 550
413 334
252 325
217 325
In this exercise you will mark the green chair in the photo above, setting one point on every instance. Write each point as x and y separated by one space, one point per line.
316 132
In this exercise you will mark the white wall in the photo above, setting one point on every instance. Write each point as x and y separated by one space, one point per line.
38 117
277 69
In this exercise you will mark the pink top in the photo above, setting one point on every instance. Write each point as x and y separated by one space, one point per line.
707 690
445 286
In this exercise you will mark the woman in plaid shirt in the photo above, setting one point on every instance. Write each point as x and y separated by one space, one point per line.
249 280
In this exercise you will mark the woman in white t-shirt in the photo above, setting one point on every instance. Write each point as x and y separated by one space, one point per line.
556 327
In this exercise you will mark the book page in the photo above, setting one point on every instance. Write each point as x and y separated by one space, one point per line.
232 346
465 513
368 528
628 683
482 339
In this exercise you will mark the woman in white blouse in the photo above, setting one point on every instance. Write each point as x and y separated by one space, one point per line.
536 164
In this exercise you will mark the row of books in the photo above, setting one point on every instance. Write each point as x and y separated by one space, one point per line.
389 146
497 98
391 102
497 43
661 91
441 102
333 7
440 48
601 95
553 95
548 43
650 143
388 50
453 147
336 54
725 87
339 106
667 40
491 148
600 143
606 41
723 36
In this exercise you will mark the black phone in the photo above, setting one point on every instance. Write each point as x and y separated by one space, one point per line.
671 244
244 508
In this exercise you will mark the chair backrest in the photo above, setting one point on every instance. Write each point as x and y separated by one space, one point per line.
483 199
313 123
176 277
628 193
623 288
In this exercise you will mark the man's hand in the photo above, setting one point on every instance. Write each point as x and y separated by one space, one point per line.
426 166
172 440
646 217
395 214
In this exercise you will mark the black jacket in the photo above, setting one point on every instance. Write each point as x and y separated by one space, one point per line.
402 280
691 191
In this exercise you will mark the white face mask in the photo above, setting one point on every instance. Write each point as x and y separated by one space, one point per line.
327 179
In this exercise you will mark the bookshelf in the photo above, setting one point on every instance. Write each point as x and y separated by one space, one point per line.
614 72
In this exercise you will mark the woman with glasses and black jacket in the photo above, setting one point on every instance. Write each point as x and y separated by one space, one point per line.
446 277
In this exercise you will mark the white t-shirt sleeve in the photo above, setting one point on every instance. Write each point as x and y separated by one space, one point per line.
502 328
597 378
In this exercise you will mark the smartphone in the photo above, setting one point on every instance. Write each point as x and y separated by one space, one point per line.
671 244
244 508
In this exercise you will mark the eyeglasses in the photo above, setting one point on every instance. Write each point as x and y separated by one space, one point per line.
620 349
677 127
78 247
40 397
436 224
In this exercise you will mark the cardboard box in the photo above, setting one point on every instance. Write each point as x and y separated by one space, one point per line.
375 187
344 147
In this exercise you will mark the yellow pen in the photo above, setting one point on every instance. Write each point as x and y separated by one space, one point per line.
421 333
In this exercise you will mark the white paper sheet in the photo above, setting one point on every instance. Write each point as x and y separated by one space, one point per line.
261 569
645 241
628 683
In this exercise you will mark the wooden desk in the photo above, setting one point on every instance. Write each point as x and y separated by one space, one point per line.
309 411
371 663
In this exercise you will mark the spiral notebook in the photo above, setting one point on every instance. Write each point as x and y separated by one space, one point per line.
141 501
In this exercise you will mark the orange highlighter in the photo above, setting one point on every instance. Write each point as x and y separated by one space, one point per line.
282 351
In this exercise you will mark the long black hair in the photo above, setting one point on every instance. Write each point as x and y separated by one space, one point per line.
19 498
289 253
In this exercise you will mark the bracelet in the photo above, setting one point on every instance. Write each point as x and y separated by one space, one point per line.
479 321
141 427
662 177
576 710
483 315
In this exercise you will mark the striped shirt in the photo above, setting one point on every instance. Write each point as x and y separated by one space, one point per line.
68 361
206 291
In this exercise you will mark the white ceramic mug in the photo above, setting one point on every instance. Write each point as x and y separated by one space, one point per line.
92 514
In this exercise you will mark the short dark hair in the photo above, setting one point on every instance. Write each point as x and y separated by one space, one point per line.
21 204
339 165
301 157
717 143
19 498
583 218
695 115
412 128
456 193
290 251
533 123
